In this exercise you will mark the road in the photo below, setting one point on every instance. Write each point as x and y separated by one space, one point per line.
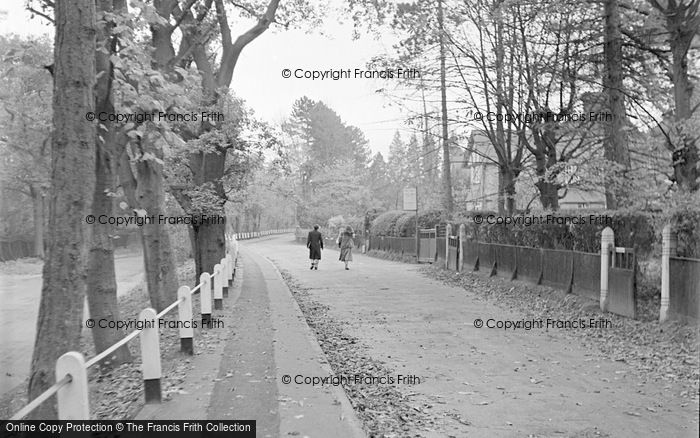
499 383
19 307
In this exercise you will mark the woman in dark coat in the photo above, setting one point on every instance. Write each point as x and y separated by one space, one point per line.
347 243
315 244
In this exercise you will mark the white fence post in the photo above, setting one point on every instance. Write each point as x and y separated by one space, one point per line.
607 245
150 355
205 297
224 277
448 232
218 292
231 269
73 397
462 238
668 250
184 310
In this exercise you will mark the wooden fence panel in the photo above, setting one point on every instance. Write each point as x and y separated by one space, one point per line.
506 260
557 268
441 248
586 275
487 257
684 289
529 264
453 253
622 287
471 254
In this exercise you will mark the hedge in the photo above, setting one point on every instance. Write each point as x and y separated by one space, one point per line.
384 224
685 223
631 228
398 223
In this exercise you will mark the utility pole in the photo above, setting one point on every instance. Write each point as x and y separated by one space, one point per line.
446 171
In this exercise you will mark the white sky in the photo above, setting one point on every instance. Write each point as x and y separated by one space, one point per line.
258 77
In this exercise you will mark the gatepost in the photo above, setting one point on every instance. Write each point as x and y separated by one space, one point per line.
668 250
607 246
448 233
462 238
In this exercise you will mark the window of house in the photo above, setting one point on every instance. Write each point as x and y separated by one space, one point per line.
476 168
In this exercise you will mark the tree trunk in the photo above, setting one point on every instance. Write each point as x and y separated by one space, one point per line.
682 28
102 282
446 167
158 257
38 205
210 238
507 177
615 142
147 193
102 285
545 158
549 194
72 184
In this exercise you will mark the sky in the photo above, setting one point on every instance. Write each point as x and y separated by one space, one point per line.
258 77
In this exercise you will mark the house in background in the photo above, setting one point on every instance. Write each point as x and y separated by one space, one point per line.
475 179
578 199
475 174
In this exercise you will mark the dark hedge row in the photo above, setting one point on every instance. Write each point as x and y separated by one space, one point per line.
639 230
559 230
686 224
398 223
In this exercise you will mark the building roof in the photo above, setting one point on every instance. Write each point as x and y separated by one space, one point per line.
579 196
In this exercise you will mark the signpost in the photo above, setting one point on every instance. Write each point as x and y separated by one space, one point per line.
410 200
410 203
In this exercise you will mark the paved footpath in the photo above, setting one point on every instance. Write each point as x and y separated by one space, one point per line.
264 336
503 383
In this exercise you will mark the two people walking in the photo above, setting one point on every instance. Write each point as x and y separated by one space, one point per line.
314 242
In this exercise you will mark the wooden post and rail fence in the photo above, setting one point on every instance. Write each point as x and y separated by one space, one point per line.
71 387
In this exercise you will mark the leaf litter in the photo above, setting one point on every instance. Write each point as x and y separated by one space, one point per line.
384 411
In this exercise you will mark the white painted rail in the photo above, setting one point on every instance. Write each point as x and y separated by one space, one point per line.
71 385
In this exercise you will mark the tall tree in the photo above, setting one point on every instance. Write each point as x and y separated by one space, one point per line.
102 282
555 49
487 67
72 187
423 32
321 140
681 20
446 166
615 141
25 123
199 31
